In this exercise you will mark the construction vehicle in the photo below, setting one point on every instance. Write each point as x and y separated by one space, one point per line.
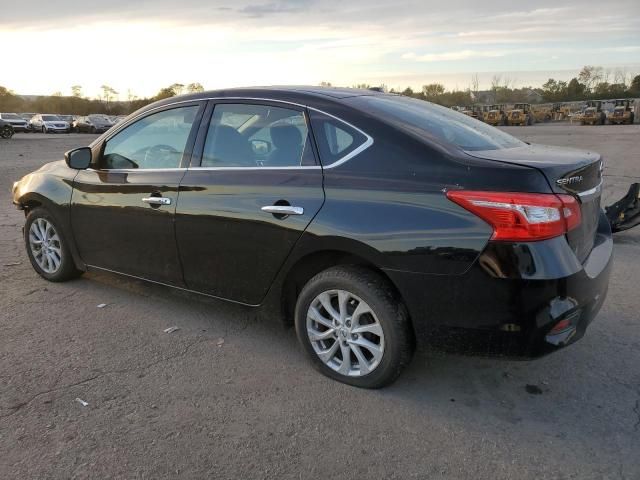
475 111
496 115
543 112
621 113
592 113
520 114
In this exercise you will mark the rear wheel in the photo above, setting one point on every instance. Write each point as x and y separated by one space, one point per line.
47 248
353 327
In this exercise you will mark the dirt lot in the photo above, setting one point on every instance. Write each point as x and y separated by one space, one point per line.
227 396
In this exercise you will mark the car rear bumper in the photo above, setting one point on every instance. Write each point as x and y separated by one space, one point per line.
513 296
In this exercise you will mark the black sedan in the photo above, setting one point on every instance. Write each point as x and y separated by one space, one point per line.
368 220
92 124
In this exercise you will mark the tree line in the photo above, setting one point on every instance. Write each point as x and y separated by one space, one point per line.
591 83
108 101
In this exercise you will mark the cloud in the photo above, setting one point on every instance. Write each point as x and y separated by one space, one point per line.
451 56
267 9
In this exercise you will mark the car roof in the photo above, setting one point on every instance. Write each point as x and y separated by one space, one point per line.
304 94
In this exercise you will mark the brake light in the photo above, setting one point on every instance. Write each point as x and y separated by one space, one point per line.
519 217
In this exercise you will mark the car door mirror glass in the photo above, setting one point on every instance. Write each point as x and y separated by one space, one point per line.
78 159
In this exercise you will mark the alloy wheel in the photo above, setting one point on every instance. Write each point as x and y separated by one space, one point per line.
345 333
45 246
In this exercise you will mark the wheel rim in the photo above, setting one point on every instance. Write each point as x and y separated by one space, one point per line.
45 245
345 333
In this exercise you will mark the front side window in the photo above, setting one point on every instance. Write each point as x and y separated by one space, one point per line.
158 140
256 136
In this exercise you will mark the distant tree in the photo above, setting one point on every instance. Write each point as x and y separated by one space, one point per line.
554 91
177 88
76 91
195 88
362 85
433 91
475 85
575 89
634 88
325 84
166 92
408 92
108 94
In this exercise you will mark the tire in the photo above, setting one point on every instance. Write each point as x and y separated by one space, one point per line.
44 129
6 132
383 313
93 130
65 269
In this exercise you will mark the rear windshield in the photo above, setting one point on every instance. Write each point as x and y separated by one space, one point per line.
443 123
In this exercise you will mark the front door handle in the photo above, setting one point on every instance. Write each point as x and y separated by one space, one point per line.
283 210
157 200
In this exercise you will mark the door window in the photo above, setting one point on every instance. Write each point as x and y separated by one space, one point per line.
243 135
158 140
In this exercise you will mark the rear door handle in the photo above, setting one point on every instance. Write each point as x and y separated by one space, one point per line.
283 210
157 200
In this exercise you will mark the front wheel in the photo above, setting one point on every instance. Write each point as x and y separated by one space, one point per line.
47 248
6 131
353 327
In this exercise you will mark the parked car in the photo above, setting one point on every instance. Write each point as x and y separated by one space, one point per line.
17 122
69 119
6 129
27 117
48 123
93 124
367 219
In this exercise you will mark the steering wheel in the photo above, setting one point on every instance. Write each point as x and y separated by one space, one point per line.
162 150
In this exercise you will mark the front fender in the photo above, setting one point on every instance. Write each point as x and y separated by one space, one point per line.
50 187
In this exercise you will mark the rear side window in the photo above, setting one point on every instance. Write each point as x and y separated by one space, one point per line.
335 139
442 123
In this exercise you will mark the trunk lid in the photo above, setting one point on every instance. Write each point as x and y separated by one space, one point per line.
568 171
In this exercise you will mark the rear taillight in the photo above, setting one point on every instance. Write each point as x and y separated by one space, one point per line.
517 217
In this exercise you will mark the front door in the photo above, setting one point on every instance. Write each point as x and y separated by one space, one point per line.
255 188
123 209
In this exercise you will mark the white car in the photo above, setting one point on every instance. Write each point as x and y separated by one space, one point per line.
47 123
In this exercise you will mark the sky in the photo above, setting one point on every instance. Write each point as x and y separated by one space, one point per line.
138 47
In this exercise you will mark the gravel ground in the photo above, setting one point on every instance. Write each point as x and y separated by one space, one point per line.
227 396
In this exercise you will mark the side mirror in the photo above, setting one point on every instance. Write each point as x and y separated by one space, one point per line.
78 159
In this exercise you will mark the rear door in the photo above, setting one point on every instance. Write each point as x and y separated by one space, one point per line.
252 190
122 209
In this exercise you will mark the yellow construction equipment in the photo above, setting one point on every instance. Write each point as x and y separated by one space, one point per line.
496 115
592 114
621 113
520 114
543 112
